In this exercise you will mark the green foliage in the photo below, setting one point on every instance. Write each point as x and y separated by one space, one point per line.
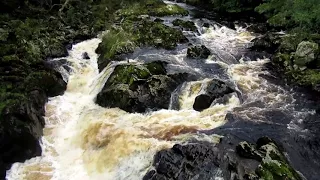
292 13
152 8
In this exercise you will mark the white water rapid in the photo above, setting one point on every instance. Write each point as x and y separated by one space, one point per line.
83 141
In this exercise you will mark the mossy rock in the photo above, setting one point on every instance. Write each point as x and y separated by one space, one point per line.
127 74
135 88
273 164
114 44
306 53
198 51
159 35
124 39
185 25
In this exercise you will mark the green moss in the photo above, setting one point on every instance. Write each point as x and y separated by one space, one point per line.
125 38
159 35
277 170
168 10
156 68
187 25
308 77
10 58
152 8
127 74
116 42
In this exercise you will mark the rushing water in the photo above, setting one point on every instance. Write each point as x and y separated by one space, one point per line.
85 141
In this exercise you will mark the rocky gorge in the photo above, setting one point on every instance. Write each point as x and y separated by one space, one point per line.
170 84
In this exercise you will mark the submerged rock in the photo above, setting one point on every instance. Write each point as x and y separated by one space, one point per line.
215 89
135 88
198 51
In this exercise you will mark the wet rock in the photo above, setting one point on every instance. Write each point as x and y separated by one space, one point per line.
56 64
216 89
158 20
207 25
253 55
136 88
273 164
85 55
198 51
185 25
203 101
247 150
306 53
20 129
268 43
56 50
191 161
258 28
203 160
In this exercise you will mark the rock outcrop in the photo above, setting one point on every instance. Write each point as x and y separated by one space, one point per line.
205 161
136 88
125 39
215 89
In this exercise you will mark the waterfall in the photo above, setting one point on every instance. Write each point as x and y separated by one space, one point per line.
85 141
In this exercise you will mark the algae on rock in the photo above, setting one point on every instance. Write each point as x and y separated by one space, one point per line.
135 88
273 164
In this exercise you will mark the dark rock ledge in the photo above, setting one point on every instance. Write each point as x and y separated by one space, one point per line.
205 161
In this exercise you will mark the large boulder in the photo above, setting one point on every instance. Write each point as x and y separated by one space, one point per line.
23 96
306 53
21 126
215 89
200 160
136 88
198 51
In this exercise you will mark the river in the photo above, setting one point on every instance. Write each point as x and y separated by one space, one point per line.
85 141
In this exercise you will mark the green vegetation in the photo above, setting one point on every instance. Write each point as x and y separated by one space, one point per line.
130 34
152 8
273 164
127 74
292 13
